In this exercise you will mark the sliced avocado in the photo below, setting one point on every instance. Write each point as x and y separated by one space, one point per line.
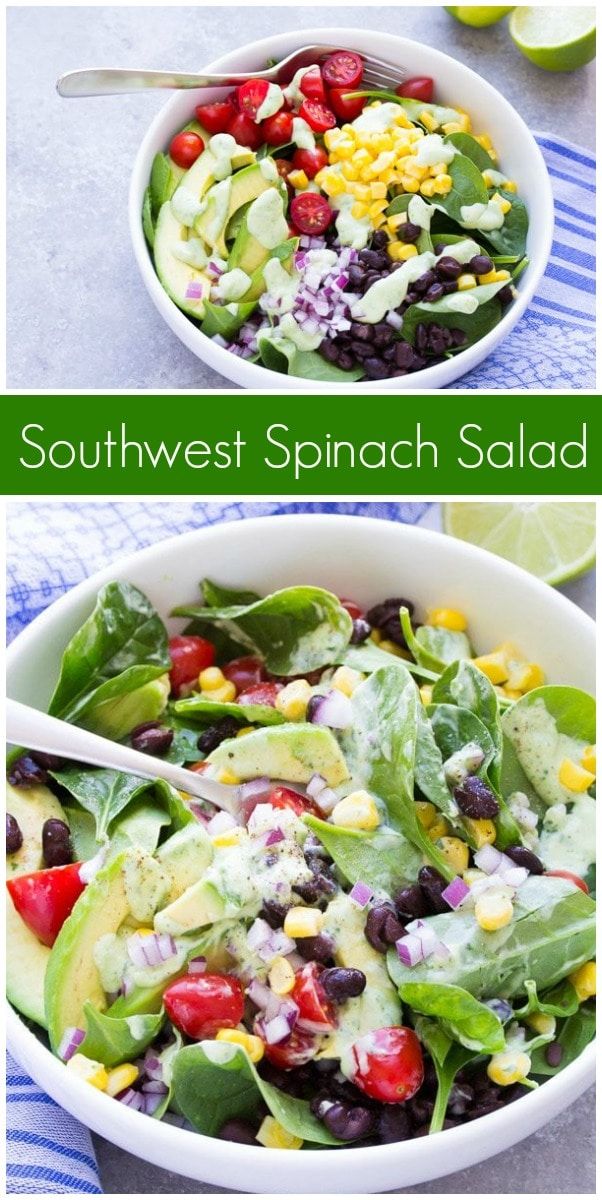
201 904
116 718
284 253
185 856
245 186
72 976
211 223
176 276
30 807
291 752
164 179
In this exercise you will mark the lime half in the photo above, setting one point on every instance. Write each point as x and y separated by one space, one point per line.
559 38
554 540
478 18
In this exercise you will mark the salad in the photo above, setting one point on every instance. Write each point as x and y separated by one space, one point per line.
395 933
333 232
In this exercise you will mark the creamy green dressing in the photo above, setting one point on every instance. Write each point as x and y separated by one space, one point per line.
288 328
353 231
376 118
540 749
303 135
110 958
233 284
218 203
572 847
186 207
266 220
246 874
388 293
293 91
281 284
482 216
268 169
146 885
432 149
420 213
223 148
274 99
191 251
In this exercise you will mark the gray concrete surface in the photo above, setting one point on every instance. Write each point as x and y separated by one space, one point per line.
78 313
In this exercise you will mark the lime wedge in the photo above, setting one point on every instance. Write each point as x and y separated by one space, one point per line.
559 38
554 540
487 14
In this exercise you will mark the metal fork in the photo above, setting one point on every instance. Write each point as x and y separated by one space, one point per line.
111 81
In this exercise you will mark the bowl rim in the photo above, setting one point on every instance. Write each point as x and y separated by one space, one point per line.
203 1155
239 370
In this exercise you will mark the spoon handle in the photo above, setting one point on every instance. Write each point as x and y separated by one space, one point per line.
115 81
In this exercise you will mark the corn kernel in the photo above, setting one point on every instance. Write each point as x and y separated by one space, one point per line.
281 977
331 137
574 777
274 1136
442 184
493 911
345 680
362 157
584 981
335 186
121 1078
362 192
378 191
455 852
298 180
492 665
387 644
415 170
302 922
485 141
143 932
90 1071
473 875
376 637
426 813
426 694
389 176
405 251
396 221
245 730
376 208
509 693
439 829
494 276
481 830
229 837
223 695
452 127
588 759
359 210
249 1042
505 205
447 618
226 776
510 185
510 1066
429 120
439 168
410 185
542 1023
349 171
211 678
428 189
379 221
356 811
292 701
402 120
524 676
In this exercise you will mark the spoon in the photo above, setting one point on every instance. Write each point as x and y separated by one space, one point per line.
36 730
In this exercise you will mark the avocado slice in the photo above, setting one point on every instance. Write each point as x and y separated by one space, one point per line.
185 856
201 904
30 807
284 253
177 276
72 976
116 718
164 179
245 186
293 752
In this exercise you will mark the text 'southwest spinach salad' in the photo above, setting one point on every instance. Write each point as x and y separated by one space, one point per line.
394 936
334 233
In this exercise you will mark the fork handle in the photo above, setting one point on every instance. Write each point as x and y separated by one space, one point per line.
116 81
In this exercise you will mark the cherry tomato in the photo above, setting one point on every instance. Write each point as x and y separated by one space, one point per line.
576 879
44 899
345 109
294 1051
310 161
284 166
316 1013
216 117
251 95
388 1064
189 656
245 131
283 797
185 148
354 610
199 1005
344 68
420 87
245 672
278 130
311 213
260 693
312 85
318 116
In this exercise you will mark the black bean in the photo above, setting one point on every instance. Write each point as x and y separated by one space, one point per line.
393 1124
433 884
501 1008
439 339
356 276
14 837
361 631
385 616
346 1123
380 240
435 292
411 298
371 259
411 902
458 337
329 350
525 858
237 1130
449 286
375 368
49 762
383 335
440 247
313 889
361 332
383 928
481 1110
515 1092
362 350
57 850
461 1098
420 1109
274 913
480 265
409 232
448 267
151 738
475 798
345 361
341 983
27 773
214 735
316 949
554 1054
505 296
422 284
389 354
421 337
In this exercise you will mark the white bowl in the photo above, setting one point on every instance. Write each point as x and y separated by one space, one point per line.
366 559
519 155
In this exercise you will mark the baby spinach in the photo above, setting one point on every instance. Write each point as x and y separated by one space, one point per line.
432 646
385 860
147 218
463 684
574 1034
467 145
400 204
511 237
474 324
106 793
114 1040
560 1001
428 768
214 1082
414 108
284 357
140 825
574 714
203 709
369 657
217 596
448 1058
119 648
163 182
460 1016
296 630
468 187
219 320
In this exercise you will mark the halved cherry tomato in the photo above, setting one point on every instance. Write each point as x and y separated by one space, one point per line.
185 148
311 213
344 68
245 131
420 87
294 1051
189 656
576 879
44 899
354 610
278 130
316 1013
312 85
216 117
310 161
318 116
245 672
199 1005
283 797
388 1064
345 108
251 95
260 693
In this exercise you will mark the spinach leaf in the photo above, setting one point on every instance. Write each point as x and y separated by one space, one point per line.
432 646
185 745
385 860
400 204
574 714
575 1033
461 1017
382 747
561 1001
468 187
219 320
147 218
216 596
474 324
448 1058
114 1040
140 825
203 709
296 630
369 657
283 356
121 646
215 1081
511 238
163 182
467 145
428 769
463 684
106 793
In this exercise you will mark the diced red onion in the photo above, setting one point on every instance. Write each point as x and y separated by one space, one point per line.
156 1087
278 944
131 1099
197 966
514 876
220 823
394 320
199 812
361 894
194 291
71 1039
296 960
274 836
276 1030
410 950
489 860
333 710
149 950
259 933
256 791
259 993
327 800
316 785
455 892
153 1067
150 1104
214 269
